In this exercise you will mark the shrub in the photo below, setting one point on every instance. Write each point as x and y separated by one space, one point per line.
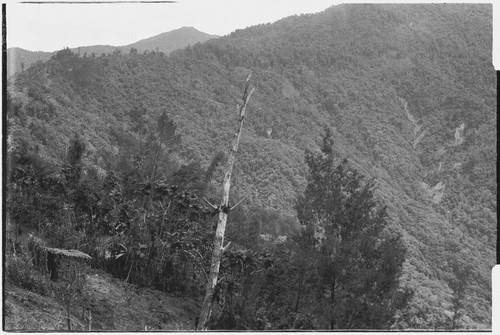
19 271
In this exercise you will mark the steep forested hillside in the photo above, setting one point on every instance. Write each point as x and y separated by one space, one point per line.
19 59
409 92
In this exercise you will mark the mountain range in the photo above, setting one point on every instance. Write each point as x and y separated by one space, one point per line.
409 92
19 59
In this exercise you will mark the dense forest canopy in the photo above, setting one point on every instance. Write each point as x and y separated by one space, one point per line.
409 94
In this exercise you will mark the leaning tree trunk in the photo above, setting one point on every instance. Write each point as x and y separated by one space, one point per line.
223 209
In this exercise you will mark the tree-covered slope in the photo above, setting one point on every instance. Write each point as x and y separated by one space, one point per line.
408 91
20 59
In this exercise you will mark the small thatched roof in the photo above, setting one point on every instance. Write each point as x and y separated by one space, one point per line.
68 253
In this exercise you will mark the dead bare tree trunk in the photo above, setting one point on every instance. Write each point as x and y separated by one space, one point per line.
223 209
89 319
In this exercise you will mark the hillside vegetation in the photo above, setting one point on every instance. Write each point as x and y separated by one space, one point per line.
20 59
407 91
113 305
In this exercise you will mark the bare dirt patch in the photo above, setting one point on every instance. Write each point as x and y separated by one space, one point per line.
112 303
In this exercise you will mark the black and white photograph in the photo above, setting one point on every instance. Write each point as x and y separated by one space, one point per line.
263 165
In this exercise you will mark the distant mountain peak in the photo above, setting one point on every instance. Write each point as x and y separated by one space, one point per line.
171 40
186 28
165 42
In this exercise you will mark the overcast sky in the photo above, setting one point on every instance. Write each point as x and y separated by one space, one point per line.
50 27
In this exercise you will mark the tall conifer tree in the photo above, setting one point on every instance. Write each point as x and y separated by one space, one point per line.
360 261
